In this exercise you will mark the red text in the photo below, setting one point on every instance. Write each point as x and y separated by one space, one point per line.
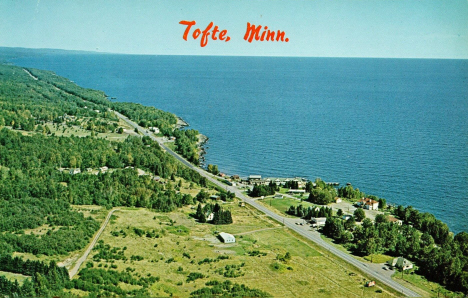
205 33
268 35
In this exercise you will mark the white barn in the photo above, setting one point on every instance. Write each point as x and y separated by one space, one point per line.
227 238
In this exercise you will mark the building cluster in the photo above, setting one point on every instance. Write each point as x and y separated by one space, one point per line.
258 180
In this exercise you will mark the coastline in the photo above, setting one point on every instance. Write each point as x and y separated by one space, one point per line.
181 123
201 143
354 164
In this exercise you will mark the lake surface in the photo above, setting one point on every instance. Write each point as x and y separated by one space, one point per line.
395 128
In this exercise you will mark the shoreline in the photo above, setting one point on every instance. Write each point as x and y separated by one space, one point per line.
201 143
180 122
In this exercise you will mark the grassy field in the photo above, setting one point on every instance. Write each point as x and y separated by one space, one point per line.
283 205
176 245
13 276
378 258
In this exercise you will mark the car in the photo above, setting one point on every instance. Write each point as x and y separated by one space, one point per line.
384 268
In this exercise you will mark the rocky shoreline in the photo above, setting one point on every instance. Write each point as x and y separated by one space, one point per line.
201 143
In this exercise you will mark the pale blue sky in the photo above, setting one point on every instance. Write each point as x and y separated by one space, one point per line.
317 28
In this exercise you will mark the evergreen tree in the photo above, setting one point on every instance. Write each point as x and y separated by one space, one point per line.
199 213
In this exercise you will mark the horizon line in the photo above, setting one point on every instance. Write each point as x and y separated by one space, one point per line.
220 55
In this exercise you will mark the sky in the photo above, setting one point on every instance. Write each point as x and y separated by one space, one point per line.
314 28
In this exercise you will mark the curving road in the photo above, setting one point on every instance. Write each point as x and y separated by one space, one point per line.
80 261
288 222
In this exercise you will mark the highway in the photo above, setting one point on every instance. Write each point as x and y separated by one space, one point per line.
288 222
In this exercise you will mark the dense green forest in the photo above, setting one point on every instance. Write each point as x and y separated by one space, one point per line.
31 98
37 187
47 280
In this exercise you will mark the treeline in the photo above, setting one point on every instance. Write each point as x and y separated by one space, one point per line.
51 280
46 280
203 196
220 216
422 238
263 190
107 283
308 213
227 288
186 144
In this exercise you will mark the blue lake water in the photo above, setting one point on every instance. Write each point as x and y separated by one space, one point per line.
395 128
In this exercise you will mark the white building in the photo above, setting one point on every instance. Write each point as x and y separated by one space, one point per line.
400 263
318 221
210 217
368 204
75 171
227 238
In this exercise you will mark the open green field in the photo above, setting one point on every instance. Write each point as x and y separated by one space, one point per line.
173 245
283 205
13 276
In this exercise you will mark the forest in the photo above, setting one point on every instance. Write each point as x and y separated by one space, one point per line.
29 104
38 188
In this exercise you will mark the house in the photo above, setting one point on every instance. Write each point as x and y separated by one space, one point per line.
227 238
338 200
241 204
318 221
221 175
235 177
400 263
214 197
75 171
395 220
210 216
368 204
154 129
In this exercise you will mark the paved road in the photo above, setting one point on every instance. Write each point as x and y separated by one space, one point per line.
80 261
288 222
